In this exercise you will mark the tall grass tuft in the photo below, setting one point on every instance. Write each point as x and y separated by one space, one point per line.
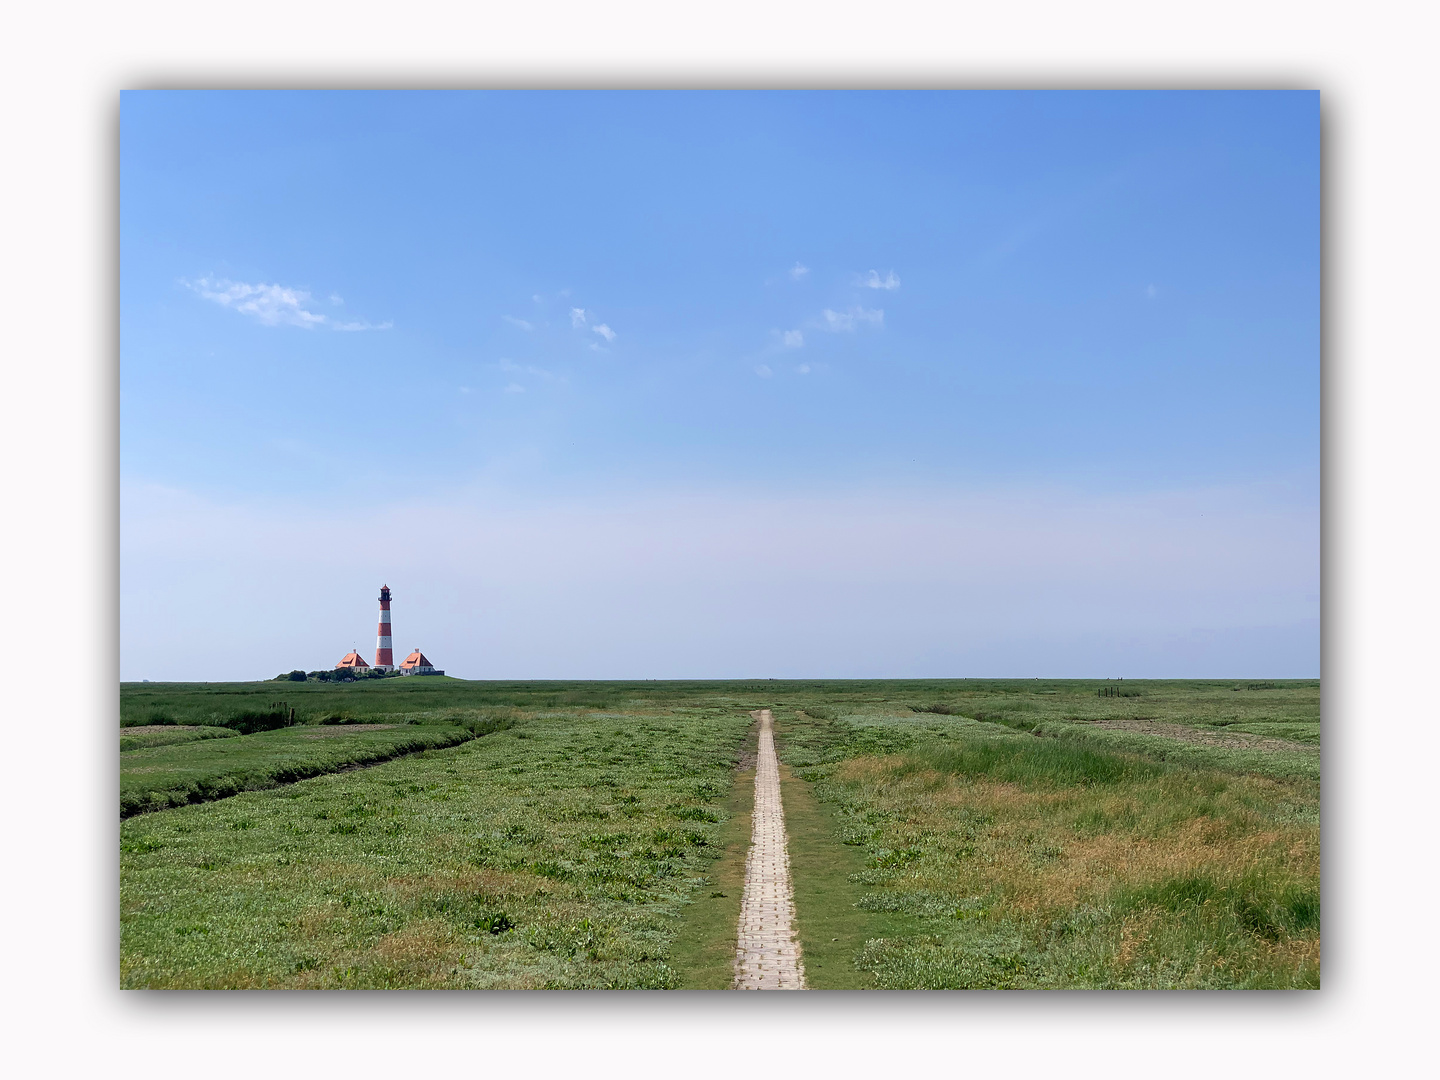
156 717
277 716
484 725
1049 762
1007 719
1260 902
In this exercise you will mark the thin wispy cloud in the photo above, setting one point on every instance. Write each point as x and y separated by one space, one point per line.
360 325
792 339
521 323
873 280
853 317
604 331
274 305
803 369
763 370
577 317
1151 292
514 388
798 272
513 368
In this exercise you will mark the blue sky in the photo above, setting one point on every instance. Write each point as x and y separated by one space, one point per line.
722 384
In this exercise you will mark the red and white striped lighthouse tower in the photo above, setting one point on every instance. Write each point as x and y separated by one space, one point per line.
384 654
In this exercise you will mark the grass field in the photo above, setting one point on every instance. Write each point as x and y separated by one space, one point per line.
556 853
199 770
943 834
1026 861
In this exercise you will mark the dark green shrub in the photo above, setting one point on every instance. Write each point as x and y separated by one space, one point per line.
495 924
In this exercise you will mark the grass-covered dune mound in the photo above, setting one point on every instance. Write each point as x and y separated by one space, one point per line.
145 738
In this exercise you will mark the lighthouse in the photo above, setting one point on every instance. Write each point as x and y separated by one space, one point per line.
384 654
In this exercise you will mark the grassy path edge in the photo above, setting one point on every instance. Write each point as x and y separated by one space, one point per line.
703 952
832 929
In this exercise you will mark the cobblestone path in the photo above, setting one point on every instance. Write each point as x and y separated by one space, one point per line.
767 957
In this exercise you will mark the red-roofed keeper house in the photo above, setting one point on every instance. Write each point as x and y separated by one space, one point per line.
416 664
352 661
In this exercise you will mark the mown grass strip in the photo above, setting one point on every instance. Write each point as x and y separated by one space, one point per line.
703 955
833 927
165 777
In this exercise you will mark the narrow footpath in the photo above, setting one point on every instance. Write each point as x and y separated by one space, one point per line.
767 957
